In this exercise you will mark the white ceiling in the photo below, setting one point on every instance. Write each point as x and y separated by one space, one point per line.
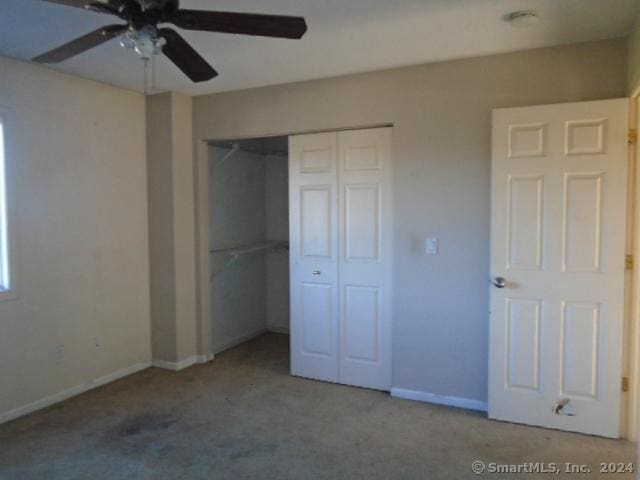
345 36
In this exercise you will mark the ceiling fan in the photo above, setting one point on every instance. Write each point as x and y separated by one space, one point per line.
143 33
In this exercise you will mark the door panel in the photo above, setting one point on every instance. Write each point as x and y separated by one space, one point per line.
365 274
525 221
582 222
558 238
362 222
523 348
315 221
313 230
580 345
362 318
316 315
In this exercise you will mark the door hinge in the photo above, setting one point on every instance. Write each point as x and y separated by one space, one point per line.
628 262
625 384
632 136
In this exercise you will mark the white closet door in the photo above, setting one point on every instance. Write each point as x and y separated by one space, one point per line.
365 274
313 226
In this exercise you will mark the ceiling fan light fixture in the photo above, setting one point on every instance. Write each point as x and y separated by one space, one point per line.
145 42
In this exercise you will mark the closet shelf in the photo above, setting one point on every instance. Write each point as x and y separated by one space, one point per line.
252 248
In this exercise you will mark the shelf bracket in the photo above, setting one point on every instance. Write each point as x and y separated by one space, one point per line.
229 154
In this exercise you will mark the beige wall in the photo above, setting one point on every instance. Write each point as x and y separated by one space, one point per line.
633 76
79 193
171 227
184 212
161 240
441 114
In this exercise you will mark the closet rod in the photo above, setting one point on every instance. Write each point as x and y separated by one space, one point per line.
213 141
252 248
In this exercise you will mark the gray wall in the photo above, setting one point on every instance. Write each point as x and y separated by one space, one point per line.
77 173
441 153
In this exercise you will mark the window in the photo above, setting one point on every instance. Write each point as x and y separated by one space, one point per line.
5 279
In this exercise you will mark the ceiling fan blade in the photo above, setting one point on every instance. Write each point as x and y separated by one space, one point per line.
111 7
81 44
70 3
185 57
241 23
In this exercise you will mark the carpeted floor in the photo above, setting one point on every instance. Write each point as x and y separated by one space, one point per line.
244 417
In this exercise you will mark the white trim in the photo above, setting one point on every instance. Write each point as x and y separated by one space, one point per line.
7 211
174 366
71 392
631 414
203 296
234 342
206 358
182 364
427 397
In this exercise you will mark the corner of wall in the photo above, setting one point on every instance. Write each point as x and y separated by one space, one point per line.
172 227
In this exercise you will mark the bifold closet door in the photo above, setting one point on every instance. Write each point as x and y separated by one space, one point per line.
313 230
365 253
341 271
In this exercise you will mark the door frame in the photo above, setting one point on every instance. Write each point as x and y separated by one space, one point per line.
204 332
631 358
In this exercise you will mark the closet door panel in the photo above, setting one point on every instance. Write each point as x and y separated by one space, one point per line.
313 225
365 256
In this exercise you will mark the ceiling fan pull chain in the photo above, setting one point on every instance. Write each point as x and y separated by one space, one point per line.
153 74
146 75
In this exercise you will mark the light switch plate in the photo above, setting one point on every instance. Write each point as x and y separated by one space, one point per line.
431 246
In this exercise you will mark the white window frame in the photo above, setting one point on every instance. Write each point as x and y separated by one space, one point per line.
7 259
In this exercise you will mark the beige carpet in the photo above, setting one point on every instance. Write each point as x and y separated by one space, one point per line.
244 417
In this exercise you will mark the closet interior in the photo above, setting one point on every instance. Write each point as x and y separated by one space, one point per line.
249 239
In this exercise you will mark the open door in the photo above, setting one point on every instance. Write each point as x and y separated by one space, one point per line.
557 260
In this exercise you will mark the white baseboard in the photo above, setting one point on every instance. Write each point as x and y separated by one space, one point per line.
427 397
234 342
174 366
182 364
276 329
71 392
206 358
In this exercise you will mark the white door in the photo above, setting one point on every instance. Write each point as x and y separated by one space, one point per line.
557 261
313 243
340 241
365 274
